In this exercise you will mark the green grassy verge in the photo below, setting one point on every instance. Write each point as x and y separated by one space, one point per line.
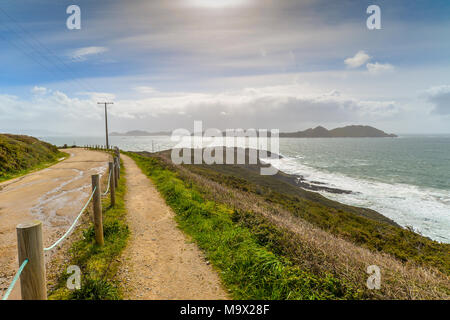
98 264
357 225
20 155
248 267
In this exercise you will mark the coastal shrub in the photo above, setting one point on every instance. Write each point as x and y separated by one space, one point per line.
324 252
96 289
362 227
19 154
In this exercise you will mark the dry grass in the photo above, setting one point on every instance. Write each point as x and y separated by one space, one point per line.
321 252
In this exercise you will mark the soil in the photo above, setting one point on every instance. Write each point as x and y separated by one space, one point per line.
160 261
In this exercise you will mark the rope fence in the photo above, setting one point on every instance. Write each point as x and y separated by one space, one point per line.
29 239
16 277
109 182
73 224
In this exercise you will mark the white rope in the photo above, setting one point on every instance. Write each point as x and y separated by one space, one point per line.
109 183
16 277
73 224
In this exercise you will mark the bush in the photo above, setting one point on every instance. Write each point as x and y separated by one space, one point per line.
92 289
20 154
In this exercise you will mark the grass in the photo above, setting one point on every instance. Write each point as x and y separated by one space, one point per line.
98 264
248 267
21 154
235 222
358 225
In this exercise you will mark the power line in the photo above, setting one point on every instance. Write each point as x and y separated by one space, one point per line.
31 57
28 50
84 85
44 47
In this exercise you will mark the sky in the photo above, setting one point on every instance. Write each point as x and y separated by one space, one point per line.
270 64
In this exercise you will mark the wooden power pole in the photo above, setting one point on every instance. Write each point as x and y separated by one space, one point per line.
106 121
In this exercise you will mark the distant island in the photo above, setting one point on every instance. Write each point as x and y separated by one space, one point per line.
344 132
353 131
137 133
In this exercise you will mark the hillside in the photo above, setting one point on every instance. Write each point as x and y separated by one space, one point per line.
353 131
20 154
344 132
317 248
140 133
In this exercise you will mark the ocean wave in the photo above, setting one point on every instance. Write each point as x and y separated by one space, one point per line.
427 210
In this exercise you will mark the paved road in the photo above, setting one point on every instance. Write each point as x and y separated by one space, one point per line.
54 195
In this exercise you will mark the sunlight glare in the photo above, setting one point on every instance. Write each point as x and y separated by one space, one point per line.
217 3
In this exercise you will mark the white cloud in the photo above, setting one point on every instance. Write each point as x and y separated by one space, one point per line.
81 54
438 90
357 60
217 3
377 68
99 96
361 58
145 89
439 96
39 90
286 107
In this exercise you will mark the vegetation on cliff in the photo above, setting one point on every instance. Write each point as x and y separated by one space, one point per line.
271 242
20 154
344 132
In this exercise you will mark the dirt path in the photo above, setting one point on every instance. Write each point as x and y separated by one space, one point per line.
160 262
54 195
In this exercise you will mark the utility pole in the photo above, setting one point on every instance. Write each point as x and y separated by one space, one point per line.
106 121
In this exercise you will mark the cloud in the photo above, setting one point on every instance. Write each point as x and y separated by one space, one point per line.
361 58
39 90
99 96
378 68
236 40
439 96
145 89
268 107
287 107
187 49
357 60
217 3
81 54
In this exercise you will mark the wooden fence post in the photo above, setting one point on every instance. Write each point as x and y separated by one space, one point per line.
30 246
112 184
118 167
97 204
116 173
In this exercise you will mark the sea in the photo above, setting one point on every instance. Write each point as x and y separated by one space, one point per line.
407 178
